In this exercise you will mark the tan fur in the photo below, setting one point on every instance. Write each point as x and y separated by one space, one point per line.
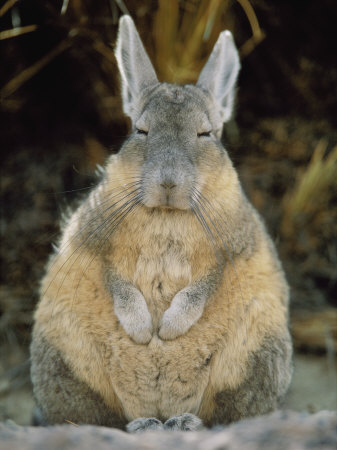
76 315
165 298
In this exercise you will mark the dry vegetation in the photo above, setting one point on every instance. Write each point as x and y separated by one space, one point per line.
61 115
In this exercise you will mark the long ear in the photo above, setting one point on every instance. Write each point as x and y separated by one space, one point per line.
135 67
220 73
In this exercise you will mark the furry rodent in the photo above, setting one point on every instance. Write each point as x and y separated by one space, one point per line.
165 303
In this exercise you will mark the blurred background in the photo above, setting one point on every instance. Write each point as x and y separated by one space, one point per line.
61 115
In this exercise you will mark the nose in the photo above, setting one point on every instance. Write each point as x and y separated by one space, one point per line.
168 185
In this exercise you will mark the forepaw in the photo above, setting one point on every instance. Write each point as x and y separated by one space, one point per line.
141 333
168 331
180 316
173 324
144 424
184 422
138 326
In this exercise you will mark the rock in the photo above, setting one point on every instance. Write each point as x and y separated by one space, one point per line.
280 430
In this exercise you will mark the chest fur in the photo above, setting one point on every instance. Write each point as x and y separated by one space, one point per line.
162 269
157 264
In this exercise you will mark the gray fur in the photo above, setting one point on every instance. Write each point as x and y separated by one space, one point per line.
267 380
60 396
219 75
130 308
183 422
134 65
187 307
144 424
173 148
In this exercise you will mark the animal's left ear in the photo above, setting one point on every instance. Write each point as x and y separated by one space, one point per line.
220 73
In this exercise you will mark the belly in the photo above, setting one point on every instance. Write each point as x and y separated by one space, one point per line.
160 379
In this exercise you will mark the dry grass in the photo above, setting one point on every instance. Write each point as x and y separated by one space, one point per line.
185 33
316 331
7 6
14 32
16 82
313 191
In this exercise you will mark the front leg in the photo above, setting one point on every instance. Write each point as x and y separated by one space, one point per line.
186 308
130 308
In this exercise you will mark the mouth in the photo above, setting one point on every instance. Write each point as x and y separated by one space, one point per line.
168 199
168 205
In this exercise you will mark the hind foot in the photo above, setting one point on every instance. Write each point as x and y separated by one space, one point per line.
184 422
144 424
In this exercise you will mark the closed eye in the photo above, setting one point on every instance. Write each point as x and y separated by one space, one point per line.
205 134
139 131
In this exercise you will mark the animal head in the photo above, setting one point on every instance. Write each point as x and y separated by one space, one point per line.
175 144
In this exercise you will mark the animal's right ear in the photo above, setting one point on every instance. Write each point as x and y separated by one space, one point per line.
137 72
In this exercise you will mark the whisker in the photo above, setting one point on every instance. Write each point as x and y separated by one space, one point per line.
221 261
88 237
72 190
215 225
205 226
46 238
95 218
204 200
93 232
116 221
115 218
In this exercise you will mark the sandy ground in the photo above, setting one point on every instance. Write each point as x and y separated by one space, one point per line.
314 387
